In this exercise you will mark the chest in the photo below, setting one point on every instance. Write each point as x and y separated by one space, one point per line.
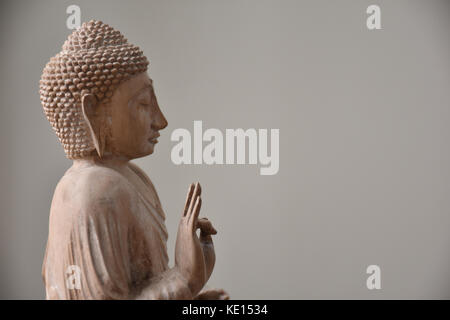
148 233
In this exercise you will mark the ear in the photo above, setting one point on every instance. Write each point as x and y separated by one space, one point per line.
90 106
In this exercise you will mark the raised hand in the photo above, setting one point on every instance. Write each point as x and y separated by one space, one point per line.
189 257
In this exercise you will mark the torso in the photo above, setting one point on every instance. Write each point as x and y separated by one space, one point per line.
145 217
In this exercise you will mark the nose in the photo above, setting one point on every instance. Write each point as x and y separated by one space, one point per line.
159 121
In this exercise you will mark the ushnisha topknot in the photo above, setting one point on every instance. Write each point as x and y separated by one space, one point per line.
94 59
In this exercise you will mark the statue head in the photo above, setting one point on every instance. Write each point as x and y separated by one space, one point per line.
98 97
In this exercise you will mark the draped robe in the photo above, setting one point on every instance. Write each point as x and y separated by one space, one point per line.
107 238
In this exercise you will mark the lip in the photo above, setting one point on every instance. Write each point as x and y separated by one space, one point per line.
154 138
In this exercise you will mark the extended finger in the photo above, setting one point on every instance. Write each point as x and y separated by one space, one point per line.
195 212
192 201
188 199
196 192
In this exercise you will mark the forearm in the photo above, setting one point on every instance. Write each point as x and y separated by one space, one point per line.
170 285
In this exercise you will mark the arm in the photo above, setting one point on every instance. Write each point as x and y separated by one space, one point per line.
104 251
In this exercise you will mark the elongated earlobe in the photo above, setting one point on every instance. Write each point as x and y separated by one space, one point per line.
89 106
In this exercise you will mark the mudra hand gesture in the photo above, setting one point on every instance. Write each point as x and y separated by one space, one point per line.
195 256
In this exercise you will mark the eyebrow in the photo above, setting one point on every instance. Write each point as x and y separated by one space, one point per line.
145 87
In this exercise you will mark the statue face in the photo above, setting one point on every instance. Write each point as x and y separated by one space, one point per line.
135 118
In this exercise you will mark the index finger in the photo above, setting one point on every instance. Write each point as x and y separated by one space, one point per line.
188 199
196 193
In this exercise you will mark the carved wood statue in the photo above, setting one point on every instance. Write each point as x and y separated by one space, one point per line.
106 221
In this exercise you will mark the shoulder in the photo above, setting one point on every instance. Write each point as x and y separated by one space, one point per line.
144 177
140 173
93 189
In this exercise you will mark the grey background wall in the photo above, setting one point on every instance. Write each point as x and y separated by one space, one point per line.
364 133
